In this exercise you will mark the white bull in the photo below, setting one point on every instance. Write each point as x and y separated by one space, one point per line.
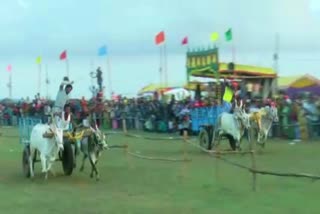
232 126
48 148
261 122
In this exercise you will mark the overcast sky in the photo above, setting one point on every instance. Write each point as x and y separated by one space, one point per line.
33 27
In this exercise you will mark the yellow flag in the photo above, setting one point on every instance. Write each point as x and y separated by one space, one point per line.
214 36
228 94
38 60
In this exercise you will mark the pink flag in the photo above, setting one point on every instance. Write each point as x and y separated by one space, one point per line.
9 68
184 41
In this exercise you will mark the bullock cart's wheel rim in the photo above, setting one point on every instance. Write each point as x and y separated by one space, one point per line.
67 159
204 139
25 162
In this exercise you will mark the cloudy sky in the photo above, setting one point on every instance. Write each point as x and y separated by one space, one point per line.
31 27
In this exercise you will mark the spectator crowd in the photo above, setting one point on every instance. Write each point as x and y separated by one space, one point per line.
299 116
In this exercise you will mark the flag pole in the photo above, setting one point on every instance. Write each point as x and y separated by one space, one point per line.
160 65
188 75
233 53
67 67
233 47
91 72
39 78
10 85
276 64
165 65
47 82
109 76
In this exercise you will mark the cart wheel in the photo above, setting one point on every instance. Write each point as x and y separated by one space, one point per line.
204 139
67 158
25 162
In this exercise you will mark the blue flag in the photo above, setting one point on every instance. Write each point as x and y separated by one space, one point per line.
102 51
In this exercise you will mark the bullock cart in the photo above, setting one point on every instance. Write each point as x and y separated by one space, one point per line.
67 156
204 121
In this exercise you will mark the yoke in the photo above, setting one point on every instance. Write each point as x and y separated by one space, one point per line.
70 136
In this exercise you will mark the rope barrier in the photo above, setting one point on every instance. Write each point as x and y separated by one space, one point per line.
157 158
146 137
263 172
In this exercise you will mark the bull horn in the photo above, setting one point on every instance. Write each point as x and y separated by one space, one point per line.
52 118
97 128
62 116
92 129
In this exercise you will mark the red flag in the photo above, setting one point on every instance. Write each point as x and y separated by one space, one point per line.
160 38
185 41
9 68
63 55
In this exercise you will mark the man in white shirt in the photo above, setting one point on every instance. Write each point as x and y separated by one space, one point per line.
62 98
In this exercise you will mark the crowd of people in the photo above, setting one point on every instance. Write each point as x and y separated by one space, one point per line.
299 116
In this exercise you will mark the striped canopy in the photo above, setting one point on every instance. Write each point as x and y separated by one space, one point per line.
241 70
156 87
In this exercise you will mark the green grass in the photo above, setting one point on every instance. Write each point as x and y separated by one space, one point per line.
131 185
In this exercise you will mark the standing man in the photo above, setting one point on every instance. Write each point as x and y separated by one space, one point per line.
62 98
99 78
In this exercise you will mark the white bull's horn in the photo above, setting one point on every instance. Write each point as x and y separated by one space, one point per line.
92 129
97 128
62 116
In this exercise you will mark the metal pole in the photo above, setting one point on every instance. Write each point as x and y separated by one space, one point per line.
67 67
233 53
10 84
160 65
274 84
165 65
39 78
47 82
109 76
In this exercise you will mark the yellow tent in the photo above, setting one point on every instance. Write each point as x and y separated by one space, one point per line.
156 87
299 81
284 82
192 86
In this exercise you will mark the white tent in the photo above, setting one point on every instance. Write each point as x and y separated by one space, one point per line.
179 93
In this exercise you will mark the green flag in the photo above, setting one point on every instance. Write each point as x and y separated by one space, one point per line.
228 35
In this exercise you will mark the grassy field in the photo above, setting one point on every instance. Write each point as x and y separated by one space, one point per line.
131 185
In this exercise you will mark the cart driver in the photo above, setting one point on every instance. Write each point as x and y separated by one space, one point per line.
62 98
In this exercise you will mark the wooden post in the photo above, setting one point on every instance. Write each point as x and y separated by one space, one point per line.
126 150
215 142
184 165
124 126
253 161
216 164
185 138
